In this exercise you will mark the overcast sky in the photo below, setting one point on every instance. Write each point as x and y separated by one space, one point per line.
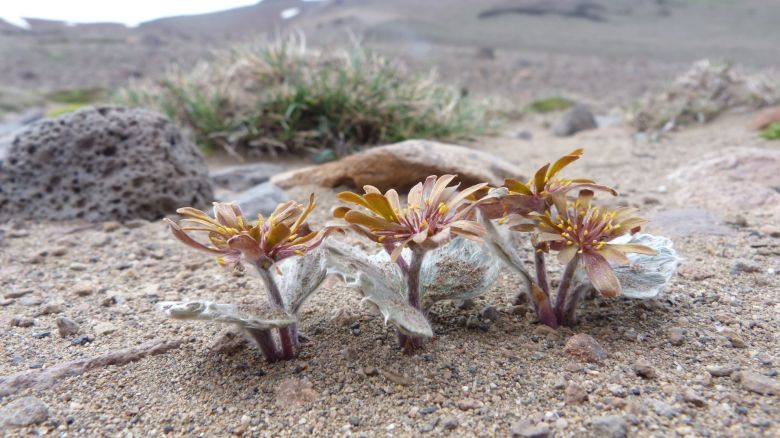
128 12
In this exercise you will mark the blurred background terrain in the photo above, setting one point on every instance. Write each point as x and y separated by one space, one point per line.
523 49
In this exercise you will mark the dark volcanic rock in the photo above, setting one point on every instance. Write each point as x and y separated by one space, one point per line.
575 119
99 164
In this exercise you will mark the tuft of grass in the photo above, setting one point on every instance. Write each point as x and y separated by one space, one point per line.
772 132
61 110
77 96
550 104
285 97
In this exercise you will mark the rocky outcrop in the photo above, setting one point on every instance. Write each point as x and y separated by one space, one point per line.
735 180
575 119
104 163
402 165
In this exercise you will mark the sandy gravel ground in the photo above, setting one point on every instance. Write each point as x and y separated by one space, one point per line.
511 376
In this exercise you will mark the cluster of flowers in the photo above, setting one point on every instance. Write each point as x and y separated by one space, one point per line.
440 244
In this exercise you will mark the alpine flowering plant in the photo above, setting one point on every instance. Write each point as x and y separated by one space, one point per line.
598 246
281 248
435 214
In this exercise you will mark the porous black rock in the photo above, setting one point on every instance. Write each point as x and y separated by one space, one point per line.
102 163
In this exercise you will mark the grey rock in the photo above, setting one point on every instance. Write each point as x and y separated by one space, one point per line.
524 429
574 394
18 294
644 369
240 178
81 340
30 301
720 370
690 221
104 328
99 164
22 321
450 423
51 308
66 326
759 384
585 348
746 266
575 119
609 426
692 397
663 409
676 336
24 412
489 312
260 199
472 322
617 390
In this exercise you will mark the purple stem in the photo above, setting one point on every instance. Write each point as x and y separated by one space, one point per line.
389 247
541 271
409 343
266 343
563 288
570 310
288 336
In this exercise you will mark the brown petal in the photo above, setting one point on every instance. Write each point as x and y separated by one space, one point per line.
415 198
517 187
564 161
277 233
372 222
566 254
585 198
248 246
540 178
352 198
460 197
634 248
189 241
309 207
601 274
438 189
466 227
371 189
225 213
340 212
380 205
195 213
392 198
614 255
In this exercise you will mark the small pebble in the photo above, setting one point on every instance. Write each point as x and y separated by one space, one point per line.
644 369
22 321
450 423
489 313
676 336
472 322
526 430
692 397
81 340
575 394
720 370
104 328
586 348
24 411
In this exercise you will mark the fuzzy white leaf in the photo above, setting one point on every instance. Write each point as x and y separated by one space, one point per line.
300 277
647 275
245 315
461 270
379 282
